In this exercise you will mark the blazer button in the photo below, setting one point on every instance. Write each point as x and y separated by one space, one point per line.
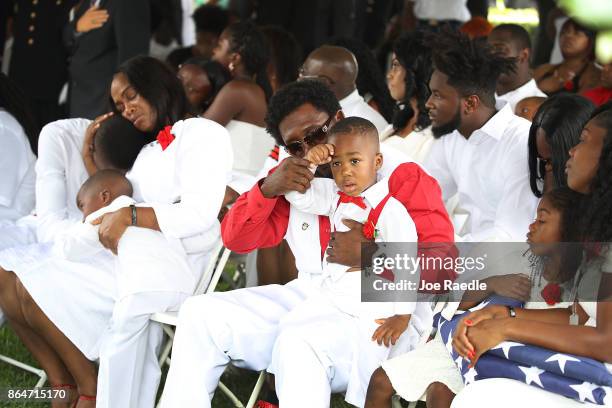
30 41
31 28
32 15
34 2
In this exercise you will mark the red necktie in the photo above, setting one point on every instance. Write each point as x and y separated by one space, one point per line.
358 201
165 137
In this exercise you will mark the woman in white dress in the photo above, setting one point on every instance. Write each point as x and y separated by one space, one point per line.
408 82
583 329
241 105
18 133
77 311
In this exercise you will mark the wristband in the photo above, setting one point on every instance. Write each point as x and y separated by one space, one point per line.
134 220
511 311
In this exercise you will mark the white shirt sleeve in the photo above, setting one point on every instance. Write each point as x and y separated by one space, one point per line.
204 163
517 204
396 225
319 199
52 177
437 167
15 158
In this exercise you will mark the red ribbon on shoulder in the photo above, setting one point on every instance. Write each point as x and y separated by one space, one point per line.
165 137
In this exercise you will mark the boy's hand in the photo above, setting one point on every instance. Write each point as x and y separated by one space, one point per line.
390 329
320 154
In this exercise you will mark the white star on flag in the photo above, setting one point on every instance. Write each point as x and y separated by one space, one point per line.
480 306
449 342
459 362
470 376
561 359
506 346
532 375
585 391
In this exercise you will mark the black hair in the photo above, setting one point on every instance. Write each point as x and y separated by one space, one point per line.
415 57
597 224
119 142
562 118
569 204
370 78
217 75
353 124
210 18
292 96
286 53
519 35
103 176
591 34
14 101
159 86
472 66
249 42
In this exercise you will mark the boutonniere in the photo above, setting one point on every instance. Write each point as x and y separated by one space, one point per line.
369 230
165 137
552 294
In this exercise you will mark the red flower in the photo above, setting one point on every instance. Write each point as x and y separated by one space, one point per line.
568 85
552 294
369 230
165 137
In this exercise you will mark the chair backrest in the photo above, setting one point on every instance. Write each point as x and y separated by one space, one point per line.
214 269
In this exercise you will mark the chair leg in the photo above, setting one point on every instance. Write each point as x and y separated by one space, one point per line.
255 394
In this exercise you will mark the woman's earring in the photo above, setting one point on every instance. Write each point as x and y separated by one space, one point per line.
231 67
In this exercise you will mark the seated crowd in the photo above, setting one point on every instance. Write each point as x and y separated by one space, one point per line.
314 167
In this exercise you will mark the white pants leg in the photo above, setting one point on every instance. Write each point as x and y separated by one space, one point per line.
129 371
215 329
313 354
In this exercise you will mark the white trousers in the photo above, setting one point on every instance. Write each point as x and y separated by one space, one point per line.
240 327
129 372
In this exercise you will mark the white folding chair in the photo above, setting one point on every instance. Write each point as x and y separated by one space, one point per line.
42 376
169 320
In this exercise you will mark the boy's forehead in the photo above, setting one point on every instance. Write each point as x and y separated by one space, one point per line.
356 141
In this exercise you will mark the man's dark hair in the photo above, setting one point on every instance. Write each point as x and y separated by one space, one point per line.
472 66
519 35
209 18
294 95
158 85
119 142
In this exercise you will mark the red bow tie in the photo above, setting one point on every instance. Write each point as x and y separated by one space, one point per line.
345 198
165 137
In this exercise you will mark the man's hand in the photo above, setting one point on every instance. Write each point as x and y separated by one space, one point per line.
112 227
93 18
390 329
320 154
516 286
293 174
345 247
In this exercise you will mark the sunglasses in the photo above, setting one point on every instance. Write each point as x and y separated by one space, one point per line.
313 138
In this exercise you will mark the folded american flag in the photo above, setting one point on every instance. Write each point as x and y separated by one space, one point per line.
580 378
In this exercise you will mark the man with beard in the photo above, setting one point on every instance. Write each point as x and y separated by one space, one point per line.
482 156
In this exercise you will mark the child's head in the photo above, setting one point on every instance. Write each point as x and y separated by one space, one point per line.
101 189
117 144
356 156
527 108
556 222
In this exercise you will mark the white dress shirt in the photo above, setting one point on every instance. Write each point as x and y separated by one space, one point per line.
17 169
440 10
529 89
416 145
355 105
489 172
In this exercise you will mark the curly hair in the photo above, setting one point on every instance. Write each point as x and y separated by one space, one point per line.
292 96
597 224
14 101
370 78
412 53
472 66
562 118
250 43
